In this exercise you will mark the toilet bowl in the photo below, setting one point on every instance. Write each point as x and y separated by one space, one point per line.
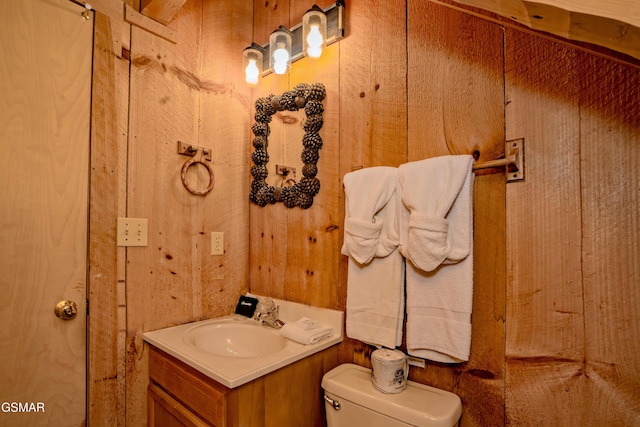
351 399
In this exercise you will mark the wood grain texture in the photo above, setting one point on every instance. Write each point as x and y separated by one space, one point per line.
291 257
614 24
179 92
162 10
610 164
45 82
165 411
402 93
456 106
313 233
106 263
163 277
269 225
373 105
568 358
373 112
288 397
196 391
456 99
225 102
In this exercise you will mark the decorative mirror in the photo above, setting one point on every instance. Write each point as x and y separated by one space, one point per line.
303 96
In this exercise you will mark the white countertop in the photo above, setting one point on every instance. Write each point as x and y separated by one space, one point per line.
233 372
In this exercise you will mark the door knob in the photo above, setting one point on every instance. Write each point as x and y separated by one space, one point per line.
66 310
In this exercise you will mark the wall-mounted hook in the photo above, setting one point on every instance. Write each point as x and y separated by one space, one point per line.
191 150
199 155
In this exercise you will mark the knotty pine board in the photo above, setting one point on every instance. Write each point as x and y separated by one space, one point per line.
572 301
456 106
373 112
291 248
106 351
225 104
176 94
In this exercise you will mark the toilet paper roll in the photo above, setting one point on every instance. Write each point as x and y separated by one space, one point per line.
390 370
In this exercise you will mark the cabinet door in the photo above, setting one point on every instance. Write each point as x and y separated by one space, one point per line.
165 411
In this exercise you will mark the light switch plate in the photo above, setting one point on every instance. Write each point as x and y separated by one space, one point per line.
217 243
133 232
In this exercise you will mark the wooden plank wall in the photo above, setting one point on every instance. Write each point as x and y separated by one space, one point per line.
556 308
573 313
184 91
292 253
107 314
380 125
429 79
456 106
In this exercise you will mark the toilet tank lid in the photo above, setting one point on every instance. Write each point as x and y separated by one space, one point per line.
418 405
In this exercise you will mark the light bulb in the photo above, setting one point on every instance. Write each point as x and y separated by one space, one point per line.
252 60
280 60
252 73
314 42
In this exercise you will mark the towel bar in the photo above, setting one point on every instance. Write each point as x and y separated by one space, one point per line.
513 160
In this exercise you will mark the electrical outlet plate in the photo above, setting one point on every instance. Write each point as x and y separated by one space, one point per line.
217 243
132 232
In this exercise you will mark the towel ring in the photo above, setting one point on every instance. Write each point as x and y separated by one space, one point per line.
197 159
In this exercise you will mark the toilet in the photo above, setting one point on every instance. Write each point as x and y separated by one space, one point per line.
351 399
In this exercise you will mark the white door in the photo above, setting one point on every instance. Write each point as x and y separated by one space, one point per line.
45 105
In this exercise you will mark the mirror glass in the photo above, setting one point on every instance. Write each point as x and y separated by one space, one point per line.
285 146
295 115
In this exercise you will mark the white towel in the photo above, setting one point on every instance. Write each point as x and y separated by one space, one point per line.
375 300
306 331
436 236
370 230
375 281
429 189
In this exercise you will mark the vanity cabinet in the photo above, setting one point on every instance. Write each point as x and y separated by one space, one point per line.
179 395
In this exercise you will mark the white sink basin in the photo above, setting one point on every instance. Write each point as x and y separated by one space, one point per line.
228 338
234 350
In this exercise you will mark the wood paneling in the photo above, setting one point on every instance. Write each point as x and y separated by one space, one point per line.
611 24
456 86
454 103
107 202
182 92
456 106
291 255
572 306
224 120
410 81
163 283
373 87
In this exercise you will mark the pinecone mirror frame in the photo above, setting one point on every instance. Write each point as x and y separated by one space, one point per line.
303 95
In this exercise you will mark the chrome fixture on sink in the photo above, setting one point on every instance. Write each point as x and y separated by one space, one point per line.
267 313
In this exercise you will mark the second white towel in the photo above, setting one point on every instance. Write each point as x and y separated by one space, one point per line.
436 235
375 291
306 331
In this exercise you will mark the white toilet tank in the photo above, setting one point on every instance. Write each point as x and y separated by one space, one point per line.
352 400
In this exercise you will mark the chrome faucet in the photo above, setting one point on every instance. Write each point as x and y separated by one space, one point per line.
267 314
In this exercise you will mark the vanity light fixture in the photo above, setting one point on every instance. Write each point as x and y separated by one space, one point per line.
318 29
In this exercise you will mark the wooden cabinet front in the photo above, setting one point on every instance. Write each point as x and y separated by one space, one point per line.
181 396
